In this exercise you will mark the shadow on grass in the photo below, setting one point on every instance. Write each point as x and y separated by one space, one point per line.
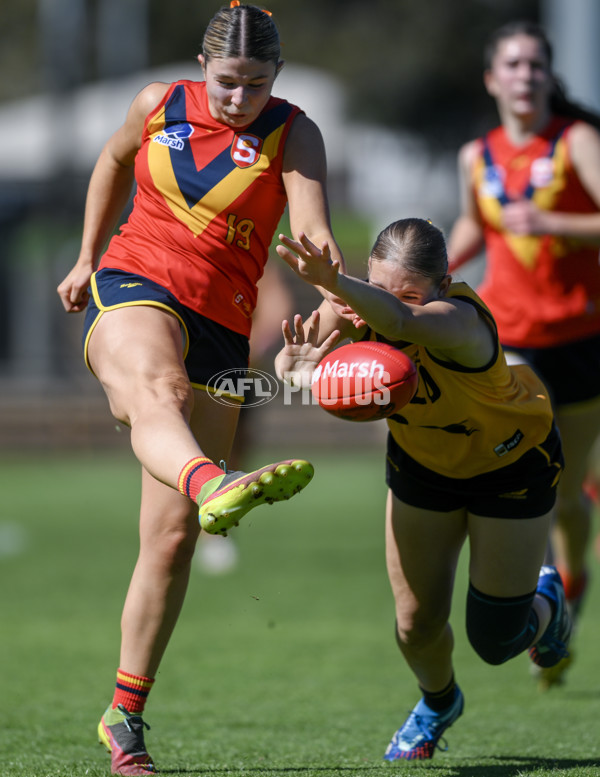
515 766
500 766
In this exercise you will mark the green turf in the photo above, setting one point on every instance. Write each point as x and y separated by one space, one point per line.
286 667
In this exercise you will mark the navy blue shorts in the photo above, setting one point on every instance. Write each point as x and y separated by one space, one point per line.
208 347
524 489
571 371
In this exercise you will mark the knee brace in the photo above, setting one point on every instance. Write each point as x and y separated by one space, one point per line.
500 628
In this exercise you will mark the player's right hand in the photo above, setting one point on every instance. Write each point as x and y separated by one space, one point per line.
73 291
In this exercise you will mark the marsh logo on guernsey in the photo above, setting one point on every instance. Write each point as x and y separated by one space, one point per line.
174 135
493 185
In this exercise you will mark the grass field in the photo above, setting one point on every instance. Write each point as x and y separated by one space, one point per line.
286 667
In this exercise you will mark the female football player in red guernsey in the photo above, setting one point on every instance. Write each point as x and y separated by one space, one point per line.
530 194
169 305
474 455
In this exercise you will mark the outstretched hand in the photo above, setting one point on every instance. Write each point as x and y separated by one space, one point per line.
301 354
311 263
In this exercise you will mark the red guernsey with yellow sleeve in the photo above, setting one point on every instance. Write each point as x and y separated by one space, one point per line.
463 422
209 199
543 290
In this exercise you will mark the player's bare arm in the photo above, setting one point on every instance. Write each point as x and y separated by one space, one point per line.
466 238
109 189
453 329
305 181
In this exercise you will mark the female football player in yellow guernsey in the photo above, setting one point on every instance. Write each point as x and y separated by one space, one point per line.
530 193
170 306
475 454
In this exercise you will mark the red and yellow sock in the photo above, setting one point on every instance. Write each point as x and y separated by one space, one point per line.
195 474
132 691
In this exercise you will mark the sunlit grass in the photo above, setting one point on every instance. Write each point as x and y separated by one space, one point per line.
285 666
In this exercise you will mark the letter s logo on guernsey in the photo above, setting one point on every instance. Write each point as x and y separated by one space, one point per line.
246 149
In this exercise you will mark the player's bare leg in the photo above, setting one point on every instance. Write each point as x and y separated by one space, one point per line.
169 529
421 568
571 532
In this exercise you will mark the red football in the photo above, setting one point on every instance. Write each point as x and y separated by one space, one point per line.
364 381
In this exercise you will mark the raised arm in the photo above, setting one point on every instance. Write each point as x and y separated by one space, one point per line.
452 328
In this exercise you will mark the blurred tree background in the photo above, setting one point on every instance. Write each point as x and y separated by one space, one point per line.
400 89
414 64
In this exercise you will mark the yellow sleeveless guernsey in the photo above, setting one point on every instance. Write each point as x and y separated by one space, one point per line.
462 421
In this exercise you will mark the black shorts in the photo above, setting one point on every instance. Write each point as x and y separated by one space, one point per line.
524 489
208 348
571 371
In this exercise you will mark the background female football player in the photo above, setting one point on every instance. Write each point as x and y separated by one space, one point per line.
531 198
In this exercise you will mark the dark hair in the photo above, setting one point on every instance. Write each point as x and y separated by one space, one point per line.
420 246
560 103
242 31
